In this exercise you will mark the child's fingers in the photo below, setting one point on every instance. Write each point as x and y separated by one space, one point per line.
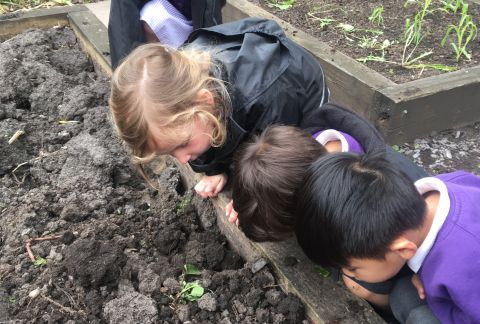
228 208
200 187
419 286
219 187
233 217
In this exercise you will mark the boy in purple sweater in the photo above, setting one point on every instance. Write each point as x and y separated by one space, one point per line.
433 226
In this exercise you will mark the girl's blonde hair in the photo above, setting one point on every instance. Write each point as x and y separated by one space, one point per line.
157 87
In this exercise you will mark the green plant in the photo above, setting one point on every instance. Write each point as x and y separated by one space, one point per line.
182 204
11 299
281 4
412 36
39 261
452 5
376 16
410 2
368 42
191 291
378 58
346 28
465 32
322 271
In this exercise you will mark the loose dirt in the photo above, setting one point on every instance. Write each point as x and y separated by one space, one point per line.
122 245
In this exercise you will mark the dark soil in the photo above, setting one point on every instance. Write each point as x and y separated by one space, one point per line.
306 15
122 245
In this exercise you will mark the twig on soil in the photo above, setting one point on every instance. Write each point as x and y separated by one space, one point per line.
271 286
28 244
70 297
40 156
65 309
15 136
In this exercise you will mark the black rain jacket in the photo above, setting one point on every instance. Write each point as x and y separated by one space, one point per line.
271 80
345 120
125 30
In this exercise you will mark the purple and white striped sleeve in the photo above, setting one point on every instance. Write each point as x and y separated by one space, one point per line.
170 26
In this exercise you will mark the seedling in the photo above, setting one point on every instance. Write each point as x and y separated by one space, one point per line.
346 28
324 22
452 5
181 205
376 16
465 32
11 299
395 147
410 2
413 36
281 4
191 270
376 58
191 291
368 42
39 261
372 58
322 271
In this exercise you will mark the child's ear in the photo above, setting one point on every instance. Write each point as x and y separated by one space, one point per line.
206 96
405 248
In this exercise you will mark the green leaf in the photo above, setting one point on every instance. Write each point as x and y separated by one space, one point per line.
346 27
39 261
191 270
281 4
197 291
322 271
396 147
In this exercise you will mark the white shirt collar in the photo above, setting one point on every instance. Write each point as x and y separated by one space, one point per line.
424 185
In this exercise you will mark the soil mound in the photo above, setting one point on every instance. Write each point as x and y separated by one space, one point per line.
114 249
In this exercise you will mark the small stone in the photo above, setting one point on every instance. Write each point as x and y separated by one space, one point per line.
208 302
258 265
34 293
448 154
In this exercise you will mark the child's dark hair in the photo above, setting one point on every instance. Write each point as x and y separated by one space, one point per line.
268 169
352 206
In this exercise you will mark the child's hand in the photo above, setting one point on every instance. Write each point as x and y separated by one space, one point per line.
418 284
210 186
231 213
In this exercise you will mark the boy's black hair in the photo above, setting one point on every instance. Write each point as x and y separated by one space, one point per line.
352 206
268 170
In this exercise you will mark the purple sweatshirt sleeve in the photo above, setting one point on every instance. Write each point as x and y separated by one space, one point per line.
349 144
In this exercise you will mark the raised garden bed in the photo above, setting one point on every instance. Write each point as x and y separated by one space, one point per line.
114 248
403 111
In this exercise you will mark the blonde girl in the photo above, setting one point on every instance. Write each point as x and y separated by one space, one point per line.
200 102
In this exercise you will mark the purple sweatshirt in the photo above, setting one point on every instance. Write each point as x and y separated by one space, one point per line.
451 270
349 144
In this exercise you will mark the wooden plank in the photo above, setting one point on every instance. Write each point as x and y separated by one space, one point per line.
39 18
351 83
93 37
325 300
417 108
